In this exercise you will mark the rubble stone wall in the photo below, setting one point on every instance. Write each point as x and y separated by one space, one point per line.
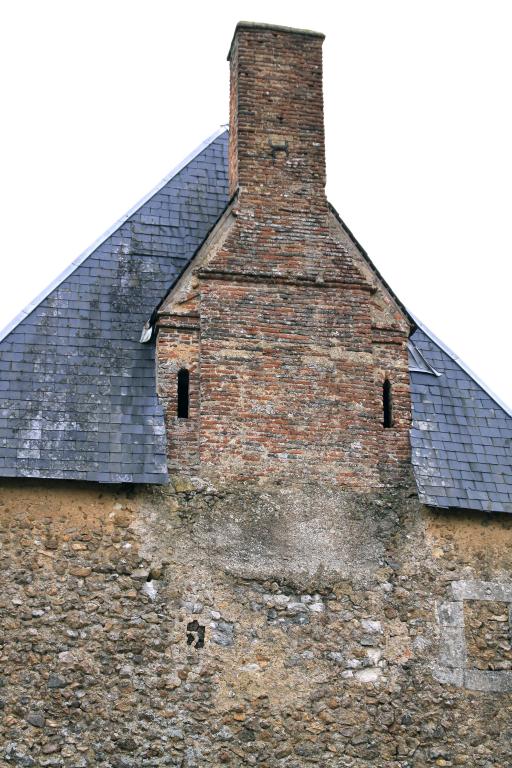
272 625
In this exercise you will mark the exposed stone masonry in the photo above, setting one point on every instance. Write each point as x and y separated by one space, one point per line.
488 635
300 665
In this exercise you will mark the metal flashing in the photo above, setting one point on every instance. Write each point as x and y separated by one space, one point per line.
417 363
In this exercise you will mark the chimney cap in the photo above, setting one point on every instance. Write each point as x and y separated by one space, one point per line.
276 27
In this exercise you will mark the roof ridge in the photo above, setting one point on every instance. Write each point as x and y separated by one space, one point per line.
456 359
31 306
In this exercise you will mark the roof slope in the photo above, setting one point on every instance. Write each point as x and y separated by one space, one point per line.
461 436
77 389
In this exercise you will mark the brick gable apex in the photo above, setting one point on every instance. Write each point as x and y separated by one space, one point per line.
387 309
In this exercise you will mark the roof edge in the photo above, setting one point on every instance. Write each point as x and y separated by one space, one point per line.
456 359
149 326
31 306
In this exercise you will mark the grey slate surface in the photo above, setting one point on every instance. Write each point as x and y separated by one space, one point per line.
77 389
461 437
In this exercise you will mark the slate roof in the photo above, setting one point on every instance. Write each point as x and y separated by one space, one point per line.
78 392
77 389
461 436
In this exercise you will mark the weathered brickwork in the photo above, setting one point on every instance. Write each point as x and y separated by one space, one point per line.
296 333
321 629
289 385
177 349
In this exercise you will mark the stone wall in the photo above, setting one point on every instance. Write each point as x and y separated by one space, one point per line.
273 625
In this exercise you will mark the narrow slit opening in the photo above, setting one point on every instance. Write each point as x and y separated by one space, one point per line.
183 393
387 405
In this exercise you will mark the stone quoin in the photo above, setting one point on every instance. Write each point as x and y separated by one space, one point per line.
271 529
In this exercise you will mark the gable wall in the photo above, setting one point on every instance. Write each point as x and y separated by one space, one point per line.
315 617
295 338
289 383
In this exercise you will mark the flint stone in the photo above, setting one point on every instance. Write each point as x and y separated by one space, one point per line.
220 638
368 675
19 758
368 640
223 634
299 618
280 599
296 608
36 719
369 625
140 574
54 681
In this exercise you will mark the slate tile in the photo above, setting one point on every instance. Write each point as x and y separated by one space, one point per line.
470 424
83 319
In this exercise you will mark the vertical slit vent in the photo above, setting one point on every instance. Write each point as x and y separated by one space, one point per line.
387 405
183 393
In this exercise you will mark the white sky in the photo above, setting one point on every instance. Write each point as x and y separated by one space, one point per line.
101 99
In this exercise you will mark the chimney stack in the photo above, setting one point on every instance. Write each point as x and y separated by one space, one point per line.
277 147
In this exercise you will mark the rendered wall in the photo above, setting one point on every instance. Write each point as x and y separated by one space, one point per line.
332 628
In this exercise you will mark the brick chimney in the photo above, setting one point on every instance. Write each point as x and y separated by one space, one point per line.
277 147
287 338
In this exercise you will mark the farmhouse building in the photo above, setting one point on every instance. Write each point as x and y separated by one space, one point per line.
252 511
